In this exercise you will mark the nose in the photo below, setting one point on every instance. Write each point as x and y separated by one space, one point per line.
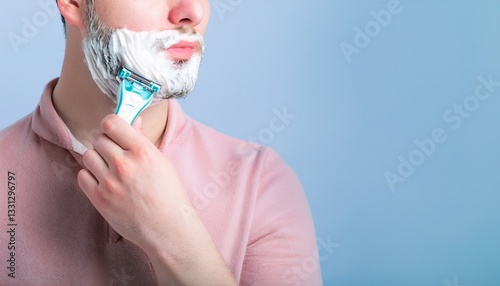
186 13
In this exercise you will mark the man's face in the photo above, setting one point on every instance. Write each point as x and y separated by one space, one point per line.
160 40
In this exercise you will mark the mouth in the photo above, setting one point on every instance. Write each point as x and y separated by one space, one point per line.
183 50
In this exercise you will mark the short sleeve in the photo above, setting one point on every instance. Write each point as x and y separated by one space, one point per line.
282 248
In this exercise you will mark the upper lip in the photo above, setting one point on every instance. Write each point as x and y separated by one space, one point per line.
185 44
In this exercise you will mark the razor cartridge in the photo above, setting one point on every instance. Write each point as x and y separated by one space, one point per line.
134 95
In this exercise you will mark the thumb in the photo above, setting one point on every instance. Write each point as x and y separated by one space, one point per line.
137 125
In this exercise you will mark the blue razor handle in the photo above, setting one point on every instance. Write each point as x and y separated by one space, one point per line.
134 95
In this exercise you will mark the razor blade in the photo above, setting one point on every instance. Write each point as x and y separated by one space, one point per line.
134 95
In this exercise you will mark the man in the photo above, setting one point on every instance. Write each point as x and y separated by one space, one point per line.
92 200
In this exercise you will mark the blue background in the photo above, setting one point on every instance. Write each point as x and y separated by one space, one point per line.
354 120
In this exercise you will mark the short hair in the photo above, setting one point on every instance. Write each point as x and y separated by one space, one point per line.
63 21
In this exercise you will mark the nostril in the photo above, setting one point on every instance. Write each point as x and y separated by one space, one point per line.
186 13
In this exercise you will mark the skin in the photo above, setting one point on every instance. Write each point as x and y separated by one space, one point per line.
128 180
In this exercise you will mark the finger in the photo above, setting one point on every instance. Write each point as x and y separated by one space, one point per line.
95 164
137 124
122 133
87 182
107 149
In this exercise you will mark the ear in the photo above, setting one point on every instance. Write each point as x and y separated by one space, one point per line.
72 10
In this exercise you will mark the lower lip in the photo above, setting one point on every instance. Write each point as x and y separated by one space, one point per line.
181 53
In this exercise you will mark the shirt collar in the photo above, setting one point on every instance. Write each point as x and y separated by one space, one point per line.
49 125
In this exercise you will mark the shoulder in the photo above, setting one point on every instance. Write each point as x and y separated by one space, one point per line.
215 142
13 135
260 163
17 143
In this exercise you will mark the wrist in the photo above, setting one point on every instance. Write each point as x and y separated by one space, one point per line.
194 260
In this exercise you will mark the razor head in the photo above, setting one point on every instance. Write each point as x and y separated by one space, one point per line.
135 93
147 84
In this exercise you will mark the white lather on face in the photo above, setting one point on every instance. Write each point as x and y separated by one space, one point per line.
144 54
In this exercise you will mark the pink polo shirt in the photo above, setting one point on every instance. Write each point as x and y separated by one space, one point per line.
250 201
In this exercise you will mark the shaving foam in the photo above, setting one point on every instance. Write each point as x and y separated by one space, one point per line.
145 54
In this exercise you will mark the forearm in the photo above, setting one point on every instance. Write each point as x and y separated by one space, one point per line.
192 259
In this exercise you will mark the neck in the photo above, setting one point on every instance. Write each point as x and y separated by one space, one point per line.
82 105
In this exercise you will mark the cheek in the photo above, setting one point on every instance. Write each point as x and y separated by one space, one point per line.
202 27
138 16
133 15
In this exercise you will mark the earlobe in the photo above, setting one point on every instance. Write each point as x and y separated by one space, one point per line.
72 11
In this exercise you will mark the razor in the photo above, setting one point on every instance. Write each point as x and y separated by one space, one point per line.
134 95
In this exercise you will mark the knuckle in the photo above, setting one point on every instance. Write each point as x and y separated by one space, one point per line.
122 168
143 154
109 123
86 157
101 201
116 158
107 185
98 139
